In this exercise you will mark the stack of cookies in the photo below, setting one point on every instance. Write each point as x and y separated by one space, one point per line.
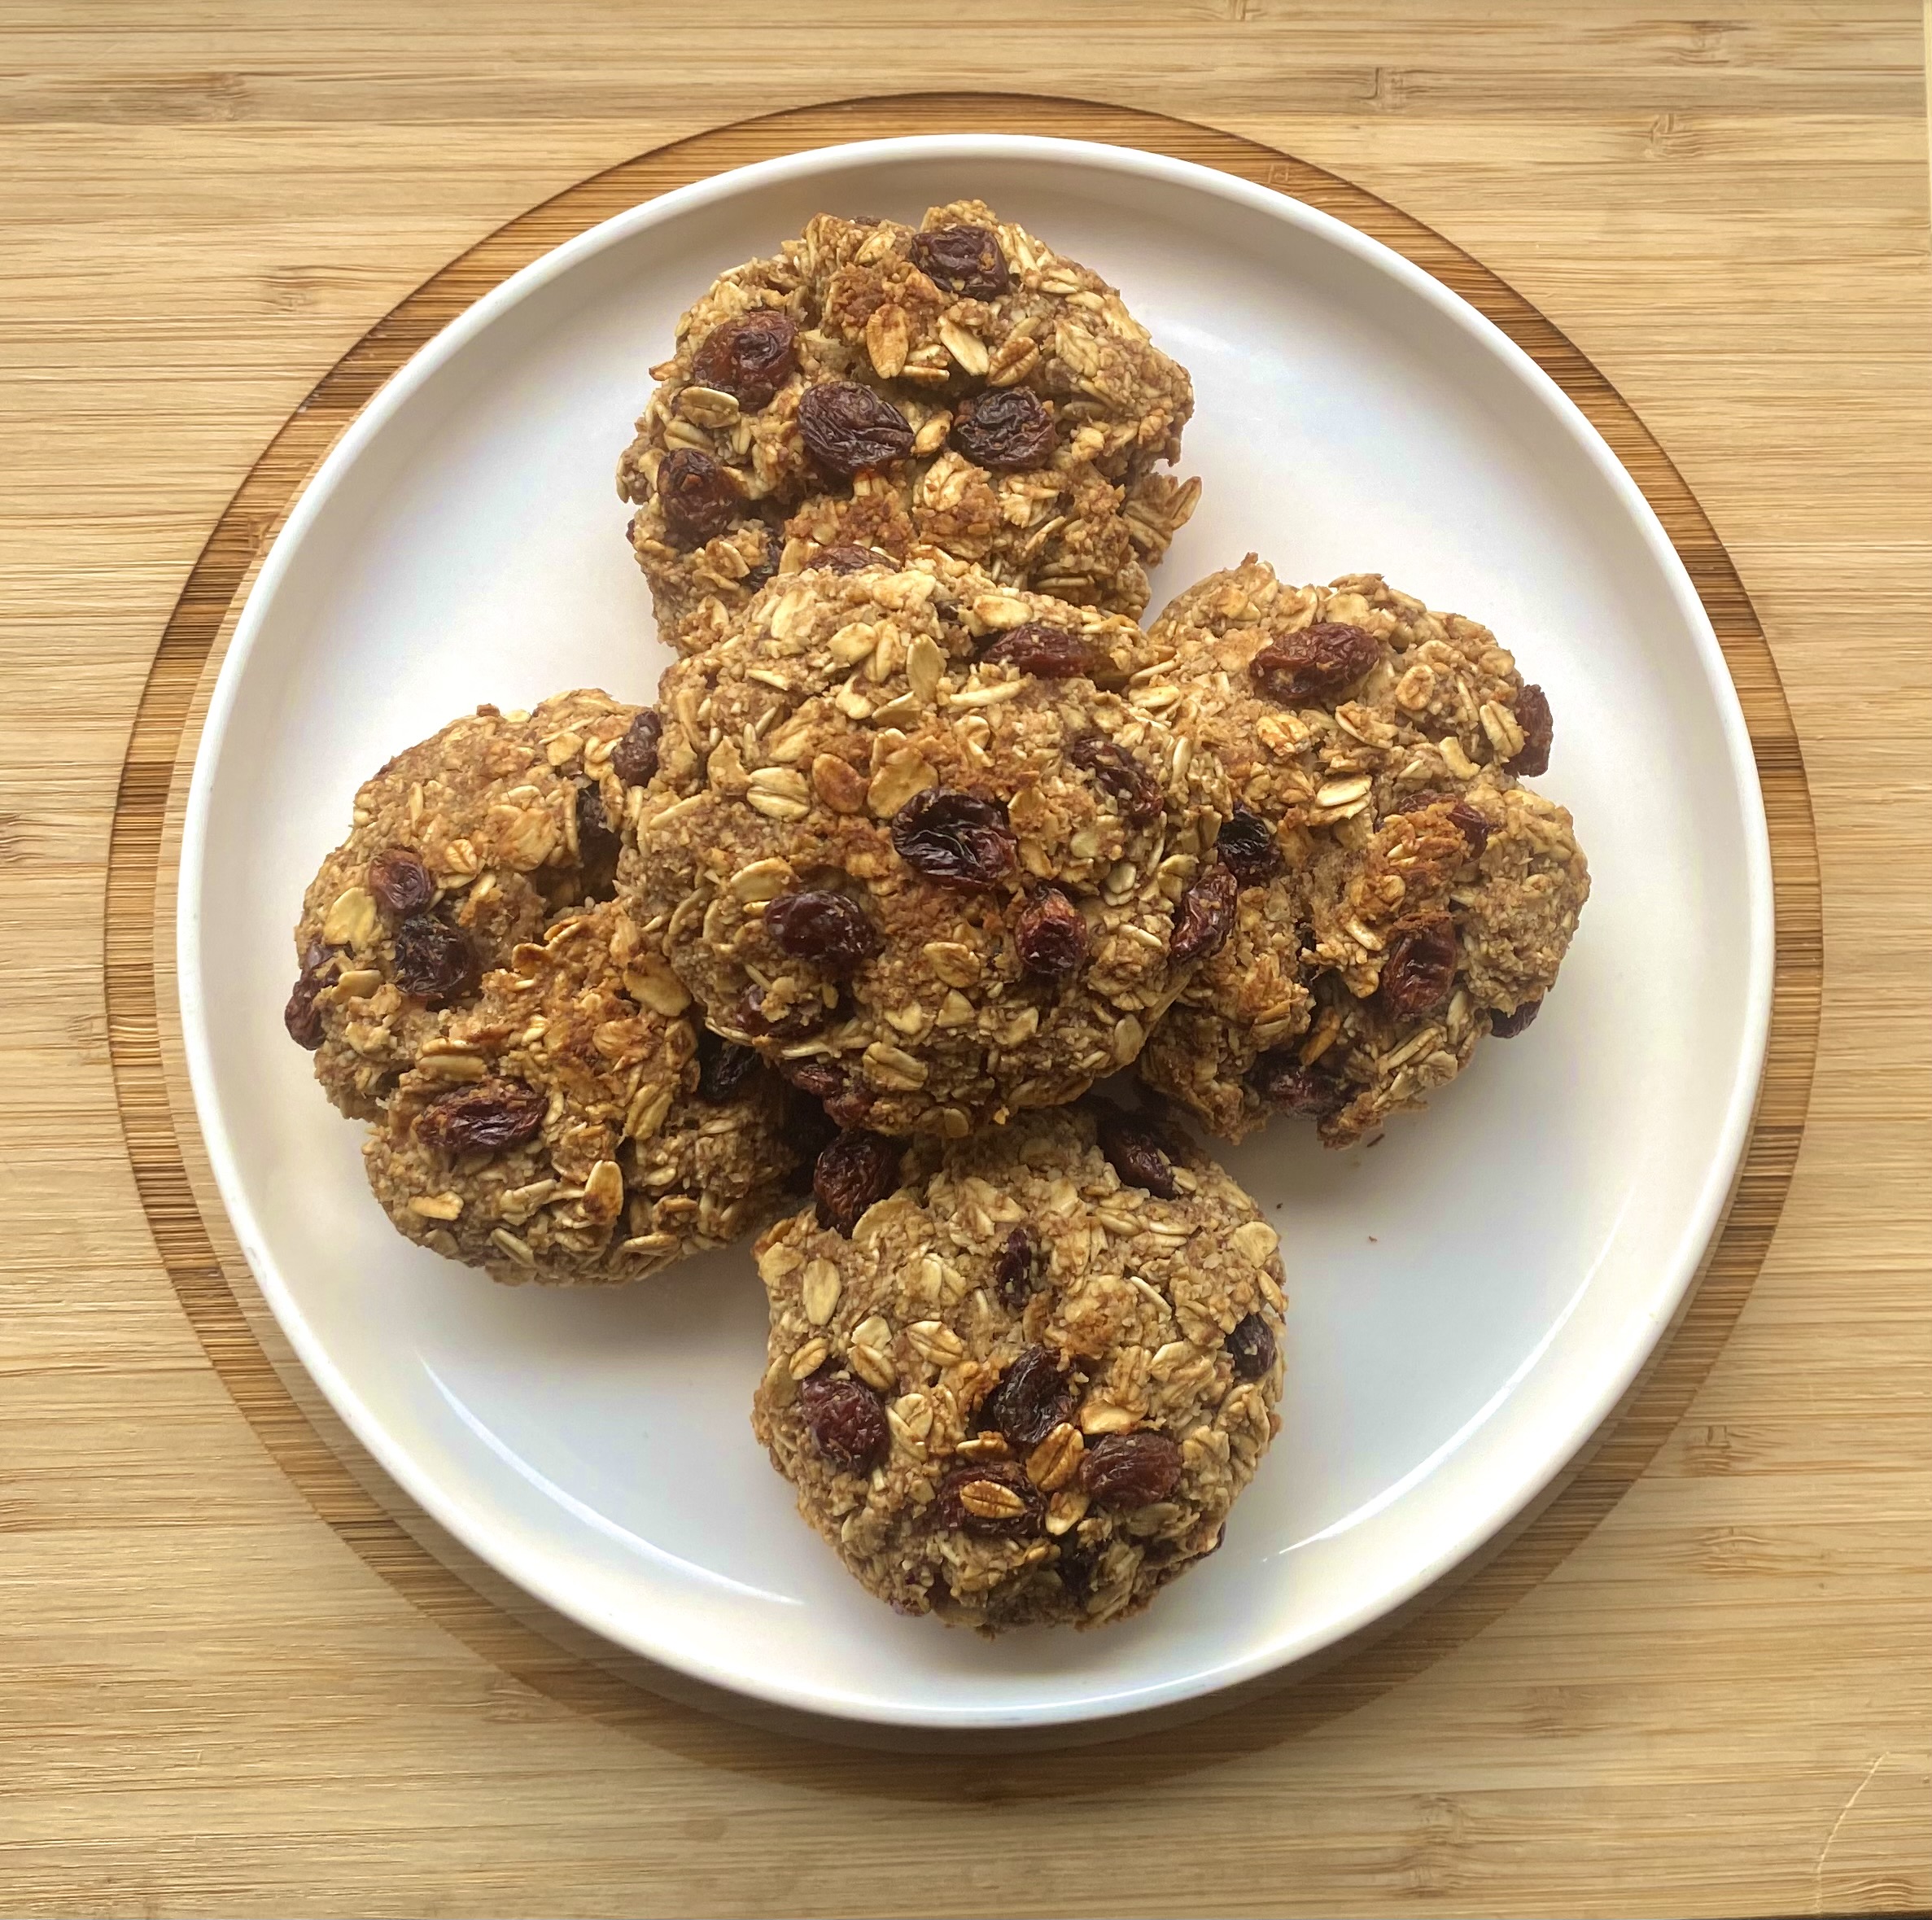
924 838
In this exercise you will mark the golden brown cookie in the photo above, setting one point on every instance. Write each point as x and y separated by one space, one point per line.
1393 892
1021 1378
876 385
461 847
908 842
573 1126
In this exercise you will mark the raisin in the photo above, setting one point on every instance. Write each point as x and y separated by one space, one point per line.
845 1419
820 1078
848 428
1136 1151
1052 936
1248 848
597 843
1033 1398
1019 1258
1539 731
699 499
802 1017
955 839
1421 966
852 1174
434 961
994 1498
849 1108
1314 663
1131 1469
1135 791
963 259
808 1132
766 566
483 1117
1472 824
1078 1563
1251 1347
1205 918
724 1068
829 929
1008 429
634 758
1505 1026
301 1015
1283 1082
1047 651
749 358
401 882
845 558
843 1100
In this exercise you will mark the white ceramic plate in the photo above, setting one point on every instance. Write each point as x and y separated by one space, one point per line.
1469 1298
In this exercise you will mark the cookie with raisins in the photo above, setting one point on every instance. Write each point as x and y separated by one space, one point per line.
573 1125
1021 1378
1393 891
915 839
958 384
461 847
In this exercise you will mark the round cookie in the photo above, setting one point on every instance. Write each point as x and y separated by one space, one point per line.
880 386
574 1126
461 847
905 846
1021 1378
1397 892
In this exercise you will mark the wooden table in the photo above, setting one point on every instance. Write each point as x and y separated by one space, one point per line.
231 1681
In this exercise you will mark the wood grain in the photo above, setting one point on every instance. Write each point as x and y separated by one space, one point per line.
1716 1703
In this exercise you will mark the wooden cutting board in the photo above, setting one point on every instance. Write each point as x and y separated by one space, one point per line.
239 1672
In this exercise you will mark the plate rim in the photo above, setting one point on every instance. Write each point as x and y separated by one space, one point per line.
1507 1495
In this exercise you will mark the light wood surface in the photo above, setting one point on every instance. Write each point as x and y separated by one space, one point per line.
214 1698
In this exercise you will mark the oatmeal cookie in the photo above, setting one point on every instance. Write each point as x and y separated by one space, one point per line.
461 847
1398 892
905 844
880 386
1021 1378
574 1125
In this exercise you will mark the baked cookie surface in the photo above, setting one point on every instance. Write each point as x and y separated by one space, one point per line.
460 847
573 1126
876 385
908 842
1396 892
1021 1378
